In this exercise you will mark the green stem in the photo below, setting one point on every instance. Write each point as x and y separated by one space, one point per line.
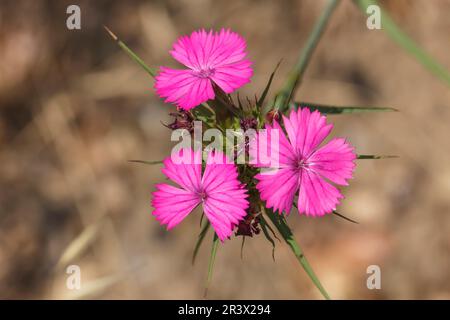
407 43
128 51
212 258
296 75
200 239
287 235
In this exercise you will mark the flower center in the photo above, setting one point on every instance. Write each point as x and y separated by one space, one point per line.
202 195
204 73
302 163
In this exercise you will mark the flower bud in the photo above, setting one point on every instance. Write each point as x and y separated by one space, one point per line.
272 115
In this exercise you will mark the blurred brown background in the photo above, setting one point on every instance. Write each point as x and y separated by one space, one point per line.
74 108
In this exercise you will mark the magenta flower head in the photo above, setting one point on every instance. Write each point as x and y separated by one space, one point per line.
222 196
212 57
305 167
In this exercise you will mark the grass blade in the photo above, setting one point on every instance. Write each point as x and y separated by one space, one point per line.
242 247
130 53
200 239
296 75
80 244
146 162
288 237
344 217
96 288
260 101
325 109
212 258
374 157
264 228
404 41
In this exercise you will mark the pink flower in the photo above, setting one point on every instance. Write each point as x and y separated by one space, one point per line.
219 191
217 57
305 167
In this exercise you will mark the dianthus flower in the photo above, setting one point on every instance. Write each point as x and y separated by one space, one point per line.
212 57
304 167
218 190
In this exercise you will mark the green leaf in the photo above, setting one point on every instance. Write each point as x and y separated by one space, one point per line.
404 41
264 228
326 109
284 96
374 157
200 239
288 237
260 101
146 162
130 53
212 258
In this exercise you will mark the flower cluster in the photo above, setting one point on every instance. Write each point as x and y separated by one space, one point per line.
307 172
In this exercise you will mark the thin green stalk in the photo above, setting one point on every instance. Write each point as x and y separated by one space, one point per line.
404 41
242 247
287 235
260 102
128 51
296 75
374 157
146 162
329 109
212 258
265 229
344 217
200 239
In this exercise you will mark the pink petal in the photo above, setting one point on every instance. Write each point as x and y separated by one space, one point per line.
172 204
292 128
183 87
226 199
189 50
203 49
228 48
334 161
232 76
262 146
186 174
279 189
306 130
225 210
219 173
316 197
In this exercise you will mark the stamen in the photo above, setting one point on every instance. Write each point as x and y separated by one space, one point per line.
204 73
302 163
203 195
